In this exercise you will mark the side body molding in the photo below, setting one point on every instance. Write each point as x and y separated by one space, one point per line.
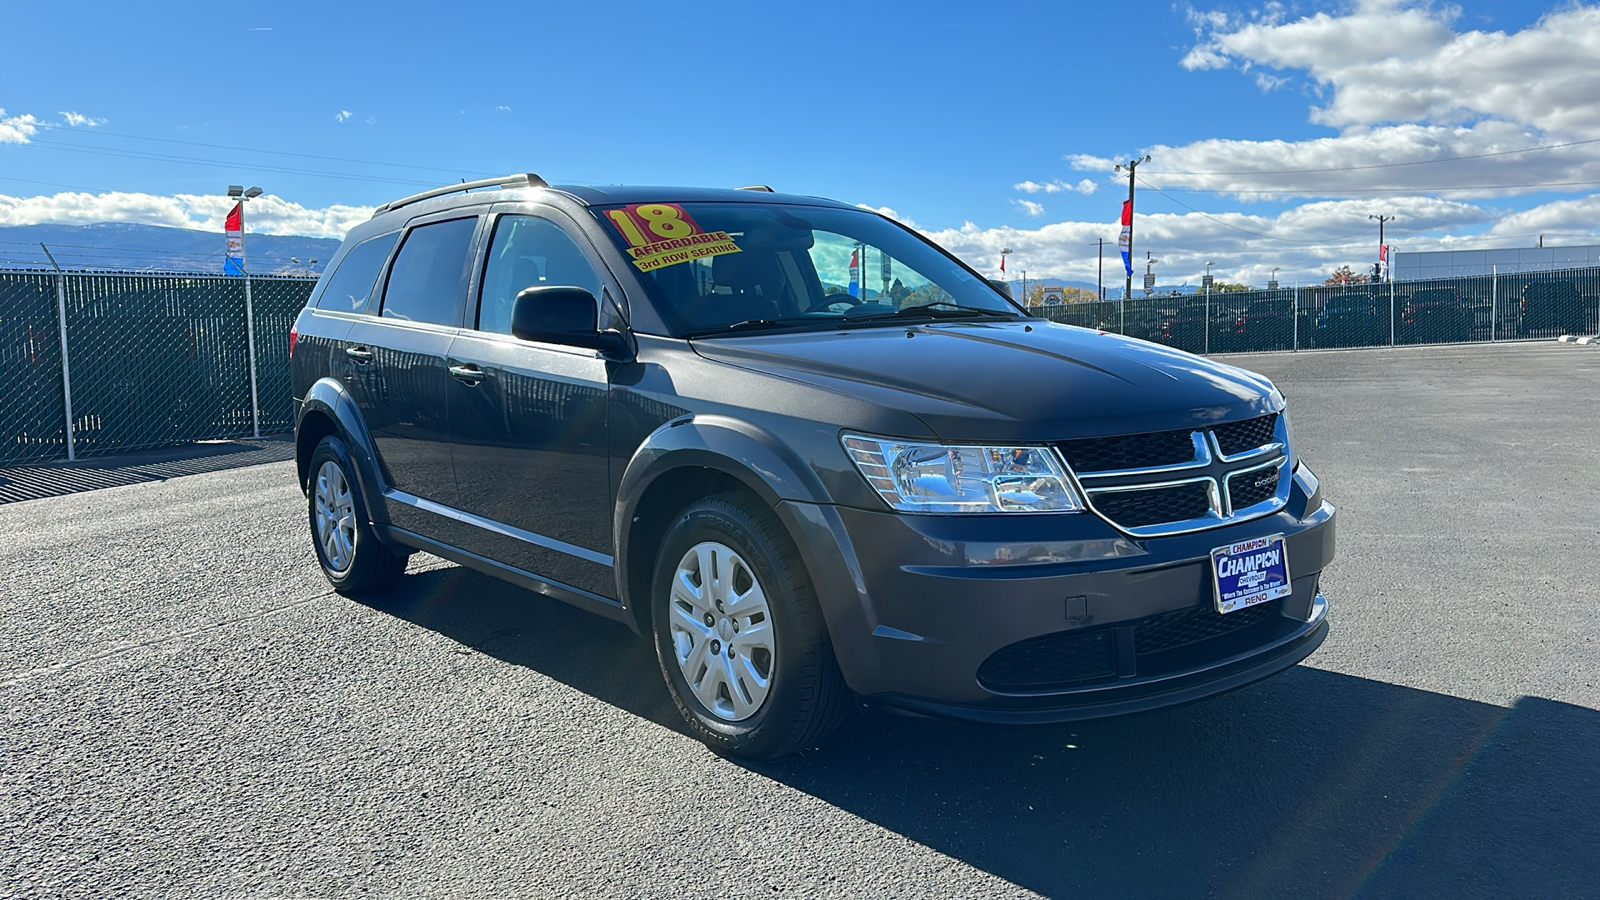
328 397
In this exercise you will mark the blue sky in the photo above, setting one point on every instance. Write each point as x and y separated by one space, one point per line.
1274 129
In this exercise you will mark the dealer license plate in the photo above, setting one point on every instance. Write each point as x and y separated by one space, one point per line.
1250 572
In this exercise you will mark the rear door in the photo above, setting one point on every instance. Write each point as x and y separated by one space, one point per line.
400 379
528 423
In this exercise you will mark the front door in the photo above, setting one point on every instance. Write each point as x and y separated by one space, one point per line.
528 428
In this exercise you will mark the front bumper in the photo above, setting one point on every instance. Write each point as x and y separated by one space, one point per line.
1052 618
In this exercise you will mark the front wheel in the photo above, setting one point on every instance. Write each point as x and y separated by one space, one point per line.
739 633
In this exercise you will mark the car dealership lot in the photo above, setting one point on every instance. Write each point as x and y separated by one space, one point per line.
188 710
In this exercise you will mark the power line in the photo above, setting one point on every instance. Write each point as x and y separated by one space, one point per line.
1420 162
161 157
1246 230
365 162
1383 190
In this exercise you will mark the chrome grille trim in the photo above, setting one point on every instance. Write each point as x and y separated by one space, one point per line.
1220 471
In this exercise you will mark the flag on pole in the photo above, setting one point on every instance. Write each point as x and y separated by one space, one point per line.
855 274
1002 264
1125 241
233 228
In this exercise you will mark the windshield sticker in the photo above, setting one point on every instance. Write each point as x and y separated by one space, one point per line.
664 234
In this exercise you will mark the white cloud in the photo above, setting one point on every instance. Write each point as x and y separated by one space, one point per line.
1305 243
343 115
1403 61
73 120
267 214
1031 208
886 211
17 129
502 109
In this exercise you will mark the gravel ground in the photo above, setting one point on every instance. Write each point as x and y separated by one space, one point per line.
188 711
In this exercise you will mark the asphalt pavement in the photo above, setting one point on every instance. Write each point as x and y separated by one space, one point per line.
186 710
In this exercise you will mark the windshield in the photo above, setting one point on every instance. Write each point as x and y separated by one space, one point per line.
722 268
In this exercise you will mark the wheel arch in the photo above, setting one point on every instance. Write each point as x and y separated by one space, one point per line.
326 410
683 461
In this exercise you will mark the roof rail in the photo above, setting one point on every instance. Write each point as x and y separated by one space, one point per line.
505 181
757 187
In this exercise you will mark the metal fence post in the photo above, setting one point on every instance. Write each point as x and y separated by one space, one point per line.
250 337
66 366
1297 318
1391 312
1494 303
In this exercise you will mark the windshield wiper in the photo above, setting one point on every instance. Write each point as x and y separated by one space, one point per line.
936 310
756 324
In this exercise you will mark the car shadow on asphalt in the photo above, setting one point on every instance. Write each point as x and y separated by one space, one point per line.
1309 784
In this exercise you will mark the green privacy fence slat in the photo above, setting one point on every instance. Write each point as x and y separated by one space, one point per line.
156 360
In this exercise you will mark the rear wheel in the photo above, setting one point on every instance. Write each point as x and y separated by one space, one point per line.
739 633
354 560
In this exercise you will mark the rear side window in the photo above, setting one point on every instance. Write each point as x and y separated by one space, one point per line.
350 286
425 280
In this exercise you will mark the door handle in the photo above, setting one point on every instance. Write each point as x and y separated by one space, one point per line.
359 354
469 375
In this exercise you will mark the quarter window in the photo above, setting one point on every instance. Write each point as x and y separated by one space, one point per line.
529 252
350 285
425 280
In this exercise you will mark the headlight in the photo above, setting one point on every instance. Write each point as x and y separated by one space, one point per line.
944 478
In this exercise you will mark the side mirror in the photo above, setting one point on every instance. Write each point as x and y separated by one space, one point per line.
563 315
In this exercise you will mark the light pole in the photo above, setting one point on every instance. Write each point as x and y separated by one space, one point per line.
1207 339
1005 252
245 196
1273 284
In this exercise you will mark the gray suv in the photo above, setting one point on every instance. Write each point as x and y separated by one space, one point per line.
814 457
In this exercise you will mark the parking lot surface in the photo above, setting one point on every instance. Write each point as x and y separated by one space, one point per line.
188 710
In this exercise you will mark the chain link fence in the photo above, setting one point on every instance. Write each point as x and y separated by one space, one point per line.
1442 311
97 363
136 361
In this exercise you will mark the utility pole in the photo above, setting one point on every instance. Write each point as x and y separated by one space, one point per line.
1381 220
1127 226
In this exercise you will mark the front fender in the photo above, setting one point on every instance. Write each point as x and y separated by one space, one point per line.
735 448
329 398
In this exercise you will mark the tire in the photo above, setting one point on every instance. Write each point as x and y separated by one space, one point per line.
745 652
354 560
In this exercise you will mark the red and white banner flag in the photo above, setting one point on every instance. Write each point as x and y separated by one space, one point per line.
1125 242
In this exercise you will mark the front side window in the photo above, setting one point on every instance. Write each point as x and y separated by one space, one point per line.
528 252
715 268
425 280
350 285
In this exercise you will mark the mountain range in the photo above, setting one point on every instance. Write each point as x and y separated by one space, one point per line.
153 248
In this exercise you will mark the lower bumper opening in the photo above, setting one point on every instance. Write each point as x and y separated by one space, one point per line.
1166 643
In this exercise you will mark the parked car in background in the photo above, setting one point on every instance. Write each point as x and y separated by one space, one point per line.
1352 320
1434 316
1551 308
1263 325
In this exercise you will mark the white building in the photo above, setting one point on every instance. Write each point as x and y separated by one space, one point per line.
1460 263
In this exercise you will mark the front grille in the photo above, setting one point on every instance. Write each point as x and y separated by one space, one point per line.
1237 437
1155 506
1182 627
1052 660
1129 451
1253 487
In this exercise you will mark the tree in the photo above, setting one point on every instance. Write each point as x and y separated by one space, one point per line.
1224 287
1343 275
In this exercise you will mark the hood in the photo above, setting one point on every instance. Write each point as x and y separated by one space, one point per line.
1027 380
